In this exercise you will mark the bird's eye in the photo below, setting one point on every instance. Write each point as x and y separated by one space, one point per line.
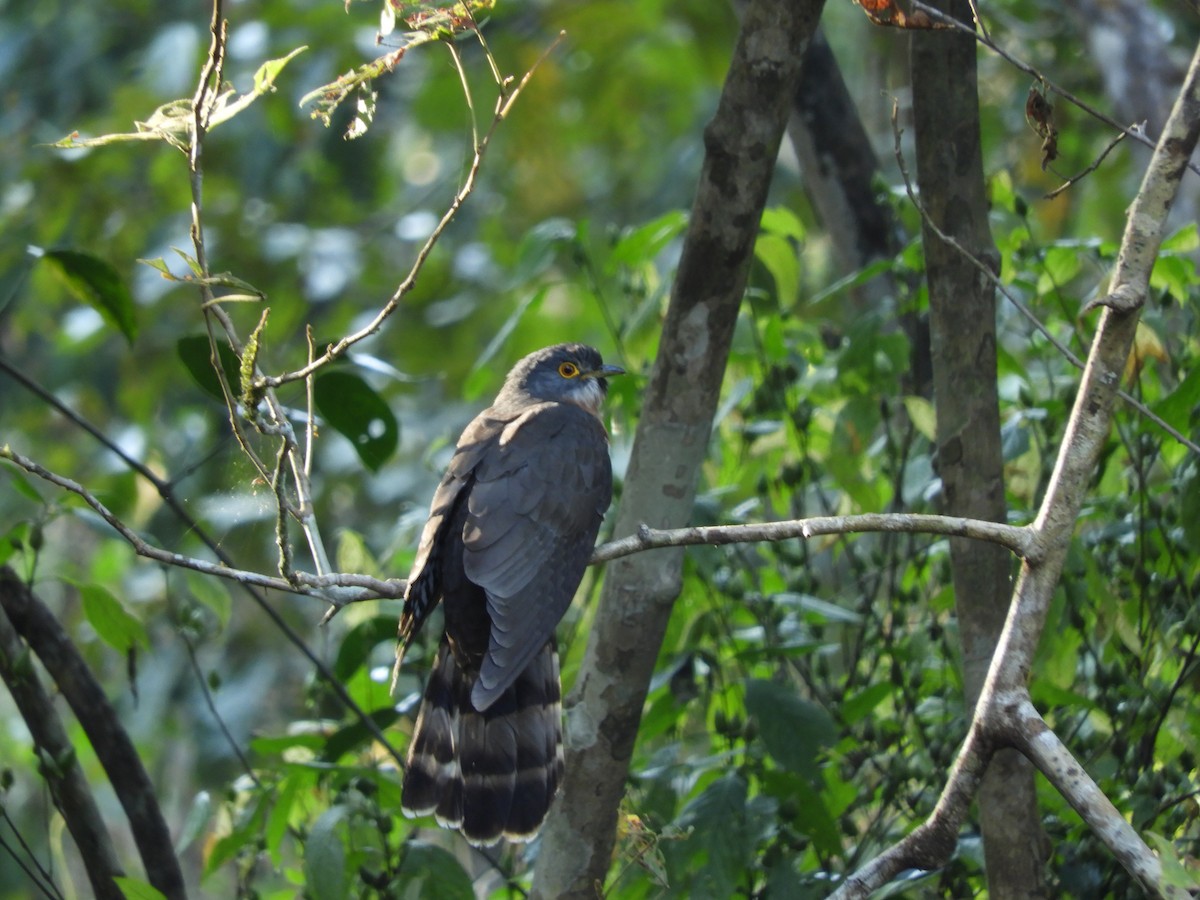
568 369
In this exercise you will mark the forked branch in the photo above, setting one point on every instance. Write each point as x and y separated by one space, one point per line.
1004 714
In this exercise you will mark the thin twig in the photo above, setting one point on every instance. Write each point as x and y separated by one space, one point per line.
466 88
320 587
333 351
310 422
38 870
1089 170
39 876
212 709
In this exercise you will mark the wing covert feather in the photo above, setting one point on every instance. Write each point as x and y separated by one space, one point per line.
534 511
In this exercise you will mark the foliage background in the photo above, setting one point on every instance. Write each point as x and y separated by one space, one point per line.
572 234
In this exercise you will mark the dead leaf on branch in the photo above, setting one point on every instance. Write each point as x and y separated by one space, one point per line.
889 14
1039 113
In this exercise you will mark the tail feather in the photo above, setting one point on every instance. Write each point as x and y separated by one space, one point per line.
491 774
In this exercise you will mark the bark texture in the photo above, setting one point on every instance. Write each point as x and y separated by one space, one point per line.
605 706
962 318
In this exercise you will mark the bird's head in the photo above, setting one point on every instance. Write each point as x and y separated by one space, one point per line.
565 373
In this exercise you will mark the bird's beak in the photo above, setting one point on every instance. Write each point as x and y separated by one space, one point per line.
604 371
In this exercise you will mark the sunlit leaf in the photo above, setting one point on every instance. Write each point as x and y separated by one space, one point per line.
780 258
353 554
1174 873
923 417
264 78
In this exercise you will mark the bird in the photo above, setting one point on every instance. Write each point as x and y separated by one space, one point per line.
510 531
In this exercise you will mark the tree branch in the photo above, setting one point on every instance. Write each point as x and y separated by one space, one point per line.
1044 749
43 633
58 763
1004 709
1017 539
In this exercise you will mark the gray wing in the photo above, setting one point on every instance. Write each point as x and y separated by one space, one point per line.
539 496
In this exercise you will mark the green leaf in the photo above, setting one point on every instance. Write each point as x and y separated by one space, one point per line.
360 641
1185 240
245 834
356 410
1190 498
858 705
793 730
352 554
97 284
21 484
778 255
1178 407
431 872
325 857
923 417
196 354
1174 873
643 244
1060 265
716 819
811 815
112 622
281 811
160 265
782 221
212 593
354 735
264 78
136 889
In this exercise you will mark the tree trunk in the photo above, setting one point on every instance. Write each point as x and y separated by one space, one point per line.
969 461
605 705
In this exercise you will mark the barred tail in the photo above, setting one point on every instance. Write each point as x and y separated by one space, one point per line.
490 774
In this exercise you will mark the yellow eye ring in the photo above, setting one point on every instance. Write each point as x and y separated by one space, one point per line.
568 369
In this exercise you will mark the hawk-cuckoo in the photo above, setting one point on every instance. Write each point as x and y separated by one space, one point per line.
510 531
